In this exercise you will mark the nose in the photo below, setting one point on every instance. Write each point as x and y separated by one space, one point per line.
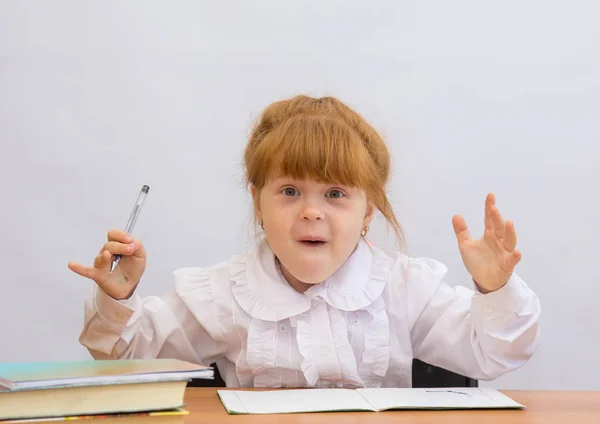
312 212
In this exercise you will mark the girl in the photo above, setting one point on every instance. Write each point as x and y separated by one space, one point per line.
315 305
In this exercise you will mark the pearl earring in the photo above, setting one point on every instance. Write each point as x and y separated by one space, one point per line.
364 232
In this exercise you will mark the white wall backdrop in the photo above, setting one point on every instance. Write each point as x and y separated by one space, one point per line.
98 98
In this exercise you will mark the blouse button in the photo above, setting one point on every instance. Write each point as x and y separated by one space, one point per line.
355 321
282 327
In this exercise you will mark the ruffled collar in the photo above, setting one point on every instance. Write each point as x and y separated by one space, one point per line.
263 292
357 283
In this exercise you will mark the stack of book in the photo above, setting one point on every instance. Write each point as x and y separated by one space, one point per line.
66 390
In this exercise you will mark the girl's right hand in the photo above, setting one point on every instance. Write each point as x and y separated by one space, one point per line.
122 282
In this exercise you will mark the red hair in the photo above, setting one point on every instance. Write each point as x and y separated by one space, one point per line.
324 140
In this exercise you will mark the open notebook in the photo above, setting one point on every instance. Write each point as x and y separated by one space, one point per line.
378 399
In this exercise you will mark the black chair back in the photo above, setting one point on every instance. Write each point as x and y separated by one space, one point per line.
425 375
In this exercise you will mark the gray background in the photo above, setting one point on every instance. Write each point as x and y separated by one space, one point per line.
98 98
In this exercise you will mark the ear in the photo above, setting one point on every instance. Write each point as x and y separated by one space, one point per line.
256 201
371 209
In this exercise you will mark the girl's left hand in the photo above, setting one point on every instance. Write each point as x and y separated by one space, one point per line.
491 259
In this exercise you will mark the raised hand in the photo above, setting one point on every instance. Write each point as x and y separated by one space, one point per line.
122 282
491 259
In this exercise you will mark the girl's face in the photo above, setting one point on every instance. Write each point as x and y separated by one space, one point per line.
311 227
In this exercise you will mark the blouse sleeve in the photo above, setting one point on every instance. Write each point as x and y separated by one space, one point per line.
182 324
482 336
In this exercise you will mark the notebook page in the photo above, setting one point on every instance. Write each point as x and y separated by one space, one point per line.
437 398
292 401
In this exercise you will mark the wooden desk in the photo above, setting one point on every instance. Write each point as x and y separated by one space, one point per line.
557 407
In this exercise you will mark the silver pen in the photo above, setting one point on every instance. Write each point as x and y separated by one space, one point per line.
131 223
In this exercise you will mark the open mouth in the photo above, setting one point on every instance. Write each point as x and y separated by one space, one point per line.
313 243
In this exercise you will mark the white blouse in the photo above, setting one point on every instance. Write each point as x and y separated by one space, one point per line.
360 328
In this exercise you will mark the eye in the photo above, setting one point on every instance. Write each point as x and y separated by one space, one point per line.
335 194
290 191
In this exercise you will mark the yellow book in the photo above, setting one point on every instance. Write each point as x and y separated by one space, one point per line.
170 416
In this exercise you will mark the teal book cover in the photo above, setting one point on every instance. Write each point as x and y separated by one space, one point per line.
31 375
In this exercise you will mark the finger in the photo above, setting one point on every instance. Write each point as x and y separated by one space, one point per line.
116 248
514 259
490 201
139 250
510 236
102 259
498 222
460 229
84 271
119 235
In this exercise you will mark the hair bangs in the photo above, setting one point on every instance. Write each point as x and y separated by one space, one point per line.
321 148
